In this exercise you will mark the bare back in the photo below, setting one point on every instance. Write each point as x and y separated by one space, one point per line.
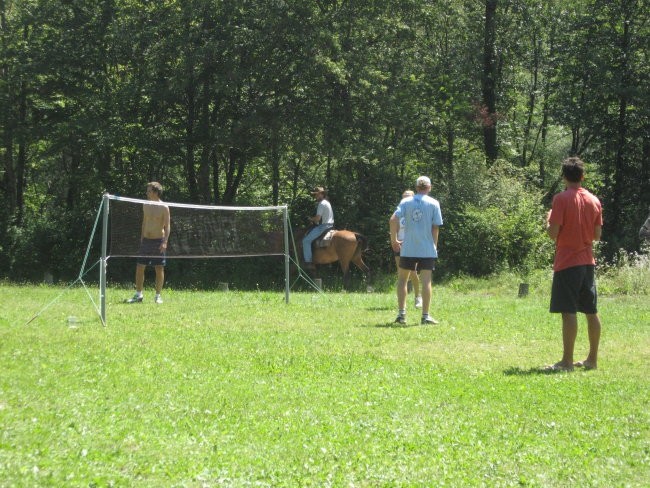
155 222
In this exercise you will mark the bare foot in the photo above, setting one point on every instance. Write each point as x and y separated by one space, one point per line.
559 367
585 364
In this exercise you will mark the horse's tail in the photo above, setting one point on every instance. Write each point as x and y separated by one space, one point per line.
363 241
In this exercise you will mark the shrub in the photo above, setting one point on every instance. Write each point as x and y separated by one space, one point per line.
502 229
626 274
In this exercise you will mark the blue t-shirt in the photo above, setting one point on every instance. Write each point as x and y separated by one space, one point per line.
420 213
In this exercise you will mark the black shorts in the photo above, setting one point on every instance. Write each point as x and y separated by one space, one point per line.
574 290
419 264
149 253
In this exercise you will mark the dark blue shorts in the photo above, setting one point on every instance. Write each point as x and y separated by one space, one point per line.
149 253
574 290
420 264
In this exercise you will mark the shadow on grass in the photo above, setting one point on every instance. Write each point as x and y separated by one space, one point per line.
517 371
394 325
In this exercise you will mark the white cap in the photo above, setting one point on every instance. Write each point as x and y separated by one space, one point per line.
423 182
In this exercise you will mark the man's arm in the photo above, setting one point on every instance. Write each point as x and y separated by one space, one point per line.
435 231
598 232
316 219
144 221
393 223
167 227
553 230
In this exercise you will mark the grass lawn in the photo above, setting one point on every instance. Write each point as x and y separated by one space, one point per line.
240 389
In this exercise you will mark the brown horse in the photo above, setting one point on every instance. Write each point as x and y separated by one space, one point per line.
345 247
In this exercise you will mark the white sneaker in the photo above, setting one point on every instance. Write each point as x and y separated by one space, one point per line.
428 321
158 299
418 302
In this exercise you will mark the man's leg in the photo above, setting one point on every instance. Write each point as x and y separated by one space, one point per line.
306 243
425 285
415 279
402 279
139 277
593 329
569 334
160 278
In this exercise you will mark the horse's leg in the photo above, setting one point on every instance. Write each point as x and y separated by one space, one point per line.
358 262
343 249
357 259
346 275
345 256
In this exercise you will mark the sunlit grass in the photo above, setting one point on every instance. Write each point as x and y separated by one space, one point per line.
240 389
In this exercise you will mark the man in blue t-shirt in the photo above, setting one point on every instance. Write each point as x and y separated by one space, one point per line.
418 251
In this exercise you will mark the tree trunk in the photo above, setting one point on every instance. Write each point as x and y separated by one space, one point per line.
234 174
613 225
9 179
206 145
21 163
489 83
531 102
190 172
449 155
275 169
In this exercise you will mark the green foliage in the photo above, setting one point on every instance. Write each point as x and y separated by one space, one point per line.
48 243
230 103
502 228
475 241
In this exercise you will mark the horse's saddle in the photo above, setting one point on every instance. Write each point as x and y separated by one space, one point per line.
325 239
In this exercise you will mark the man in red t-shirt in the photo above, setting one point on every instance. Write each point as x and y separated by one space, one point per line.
574 223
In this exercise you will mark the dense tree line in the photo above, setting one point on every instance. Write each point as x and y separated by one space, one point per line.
255 102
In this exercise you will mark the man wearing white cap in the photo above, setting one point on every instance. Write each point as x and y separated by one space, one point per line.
422 218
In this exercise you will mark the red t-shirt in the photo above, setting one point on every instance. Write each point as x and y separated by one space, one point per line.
577 212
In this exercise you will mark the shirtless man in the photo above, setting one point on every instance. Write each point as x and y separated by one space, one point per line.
153 242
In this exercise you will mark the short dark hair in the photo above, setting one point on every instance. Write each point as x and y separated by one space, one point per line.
573 169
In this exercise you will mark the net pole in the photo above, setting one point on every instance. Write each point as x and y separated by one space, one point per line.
103 263
286 253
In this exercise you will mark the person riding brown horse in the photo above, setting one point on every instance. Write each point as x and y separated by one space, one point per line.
345 246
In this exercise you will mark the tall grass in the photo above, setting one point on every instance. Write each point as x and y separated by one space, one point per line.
240 389
628 273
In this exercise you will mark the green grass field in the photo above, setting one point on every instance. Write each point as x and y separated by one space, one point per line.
240 389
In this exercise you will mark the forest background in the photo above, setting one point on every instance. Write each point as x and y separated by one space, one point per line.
253 102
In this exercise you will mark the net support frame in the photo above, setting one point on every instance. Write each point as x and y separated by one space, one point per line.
103 260
105 236
285 218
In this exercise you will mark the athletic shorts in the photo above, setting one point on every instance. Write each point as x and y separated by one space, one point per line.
574 290
420 264
149 253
